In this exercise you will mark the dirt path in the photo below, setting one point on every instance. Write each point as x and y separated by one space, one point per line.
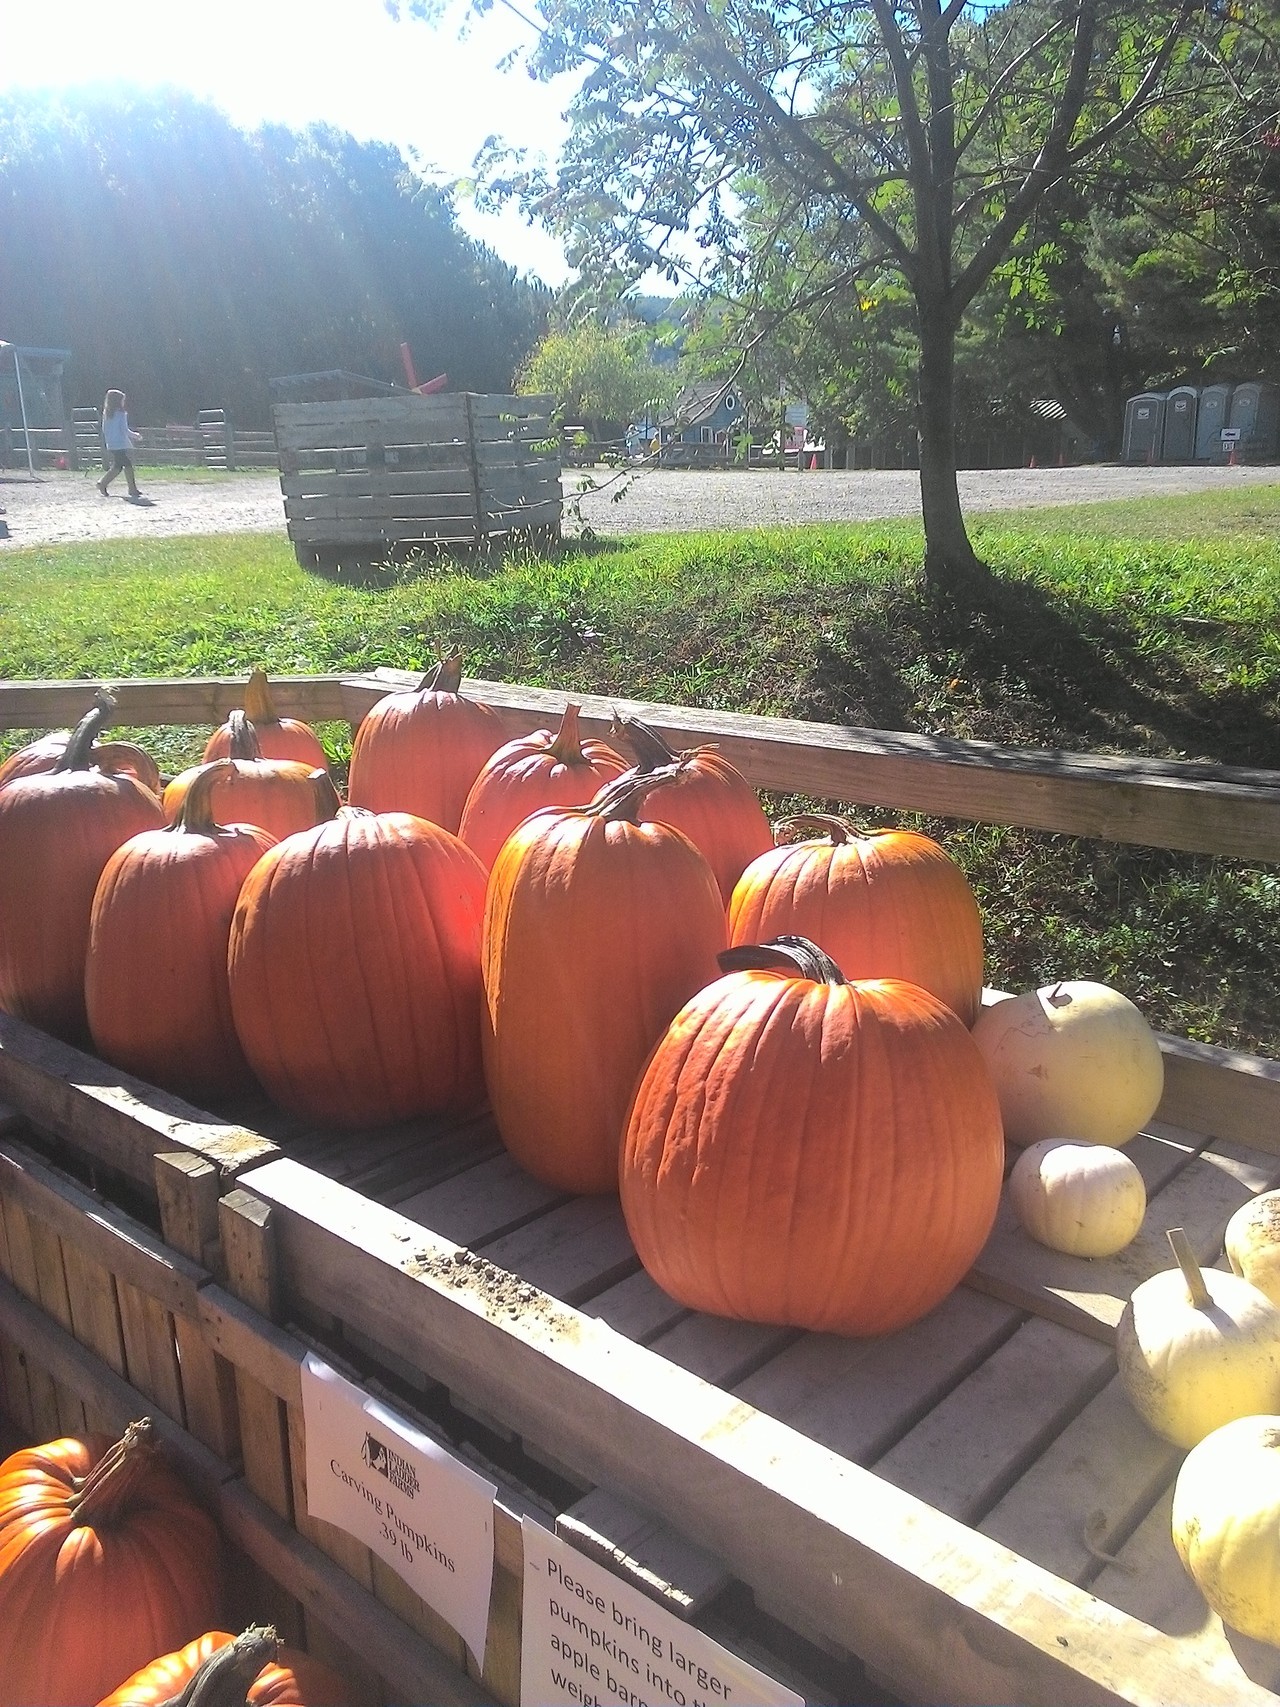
63 509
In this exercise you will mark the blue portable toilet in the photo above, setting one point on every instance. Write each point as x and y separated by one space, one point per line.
1255 414
1143 427
1180 409
1211 418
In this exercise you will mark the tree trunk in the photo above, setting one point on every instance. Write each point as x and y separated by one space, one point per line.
949 560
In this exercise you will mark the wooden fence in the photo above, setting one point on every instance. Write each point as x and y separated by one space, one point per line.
381 475
966 1511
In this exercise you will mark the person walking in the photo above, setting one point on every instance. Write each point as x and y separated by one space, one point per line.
119 438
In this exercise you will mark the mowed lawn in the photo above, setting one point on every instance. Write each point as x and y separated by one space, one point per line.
1138 627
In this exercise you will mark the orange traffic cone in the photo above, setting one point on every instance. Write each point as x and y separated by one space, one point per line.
1031 460
1231 460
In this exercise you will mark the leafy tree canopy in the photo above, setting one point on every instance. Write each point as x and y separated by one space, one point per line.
599 374
190 262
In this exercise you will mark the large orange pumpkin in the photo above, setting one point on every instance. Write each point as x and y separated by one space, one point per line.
811 1152
105 1558
354 965
252 1668
597 928
58 828
278 737
420 751
278 795
887 904
530 772
112 756
156 970
706 796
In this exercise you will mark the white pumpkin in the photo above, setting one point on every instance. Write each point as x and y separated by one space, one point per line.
1252 1243
1226 1523
1085 1199
1072 1060
1198 1348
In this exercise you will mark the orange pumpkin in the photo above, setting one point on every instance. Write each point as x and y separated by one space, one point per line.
420 751
58 829
597 928
354 965
278 795
530 772
887 904
278 737
104 1557
252 1667
115 757
811 1152
156 970
705 796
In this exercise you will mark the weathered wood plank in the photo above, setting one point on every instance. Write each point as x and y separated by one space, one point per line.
41 1383
483 1202
570 1252
1221 1092
151 1351
109 1115
1087 1492
649 1554
188 1189
944 1611
147 701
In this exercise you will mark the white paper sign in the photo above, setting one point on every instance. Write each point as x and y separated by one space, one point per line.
591 1639
426 1513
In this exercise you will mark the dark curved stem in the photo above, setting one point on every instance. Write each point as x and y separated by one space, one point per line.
242 737
445 677
825 823
790 956
225 1678
650 750
77 755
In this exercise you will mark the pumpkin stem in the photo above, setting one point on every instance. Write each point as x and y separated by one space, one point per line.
566 749
226 1677
195 815
789 956
105 1491
840 830
77 755
259 707
651 751
1198 1291
444 677
619 801
242 737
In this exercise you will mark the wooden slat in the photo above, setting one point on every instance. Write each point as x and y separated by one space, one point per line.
636 1307
188 1189
1221 1092
109 1115
306 530
41 1383
570 1252
483 1202
1150 1579
946 1612
1090 1295
1087 1491
973 1445
649 1554
145 701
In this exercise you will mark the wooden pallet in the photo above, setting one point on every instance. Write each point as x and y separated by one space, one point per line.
968 1508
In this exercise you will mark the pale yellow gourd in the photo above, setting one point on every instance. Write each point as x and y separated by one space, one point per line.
1226 1523
1198 1348
1252 1243
1072 1060
1085 1199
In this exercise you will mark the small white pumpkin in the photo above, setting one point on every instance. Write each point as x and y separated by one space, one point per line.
1085 1199
1226 1523
1252 1243
1198 1348
1072 1060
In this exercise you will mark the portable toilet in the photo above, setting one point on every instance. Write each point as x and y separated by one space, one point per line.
1143 427
1211 418
1255 412
1179 443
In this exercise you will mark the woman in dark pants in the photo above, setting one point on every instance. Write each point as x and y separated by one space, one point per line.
119 438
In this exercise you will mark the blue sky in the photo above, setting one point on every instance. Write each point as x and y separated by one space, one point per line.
295 62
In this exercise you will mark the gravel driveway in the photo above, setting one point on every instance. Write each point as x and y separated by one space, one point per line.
63 508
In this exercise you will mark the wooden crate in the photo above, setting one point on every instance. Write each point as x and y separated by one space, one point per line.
969 1509
380 475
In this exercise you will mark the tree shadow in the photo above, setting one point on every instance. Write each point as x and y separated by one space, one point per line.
1017 665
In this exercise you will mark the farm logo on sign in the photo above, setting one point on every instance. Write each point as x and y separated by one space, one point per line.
387 1462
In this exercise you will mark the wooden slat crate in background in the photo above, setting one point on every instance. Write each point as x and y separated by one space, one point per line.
966 1511
376 476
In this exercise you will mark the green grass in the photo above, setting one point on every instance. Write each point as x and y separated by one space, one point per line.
1127 627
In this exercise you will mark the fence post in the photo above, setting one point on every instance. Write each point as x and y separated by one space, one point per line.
229 439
